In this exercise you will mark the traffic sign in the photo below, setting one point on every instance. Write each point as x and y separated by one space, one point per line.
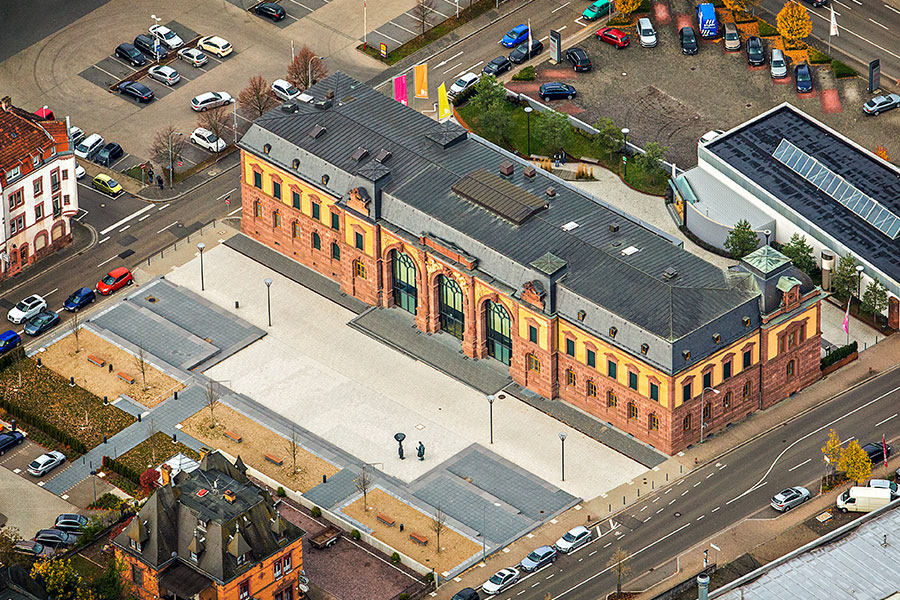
180 163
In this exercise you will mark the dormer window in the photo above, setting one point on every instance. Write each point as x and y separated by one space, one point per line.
135 545
194 557
13 173
242 559
36 160
612 332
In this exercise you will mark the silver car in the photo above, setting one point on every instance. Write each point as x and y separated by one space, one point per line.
646 33
787 499
165 74
777 66
193 56
879 104
573 539
45 463
501 580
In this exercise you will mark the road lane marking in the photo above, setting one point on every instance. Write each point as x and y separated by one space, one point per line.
648 518
166 227
560 7
237 210
142 218
841 4
685 492
800 465
608 545
849 439
163 206
660 510
106 239
886 420
563 27
868 41
550 575
700 517
715 509
672 502
753 489
656 499
451 68
50 292
126 219
668 490
475 65
108 260
643 509
710 475
124 228
544 38
698 483
593 553
446 60
889 7
537 583
879 24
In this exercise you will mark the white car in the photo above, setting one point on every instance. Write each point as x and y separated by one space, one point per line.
45 463
501 580
168 37
165 74
207 139
79 171
646 33
284 90
210 100
193 57
26 309
573 539
76 134
467 80
215 45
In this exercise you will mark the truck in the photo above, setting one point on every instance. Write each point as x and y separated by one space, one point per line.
706 20
863 499
328 537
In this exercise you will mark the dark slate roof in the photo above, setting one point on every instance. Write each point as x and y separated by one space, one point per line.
749 149
429 158
195 513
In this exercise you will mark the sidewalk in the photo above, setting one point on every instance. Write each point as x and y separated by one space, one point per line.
151 193
83 237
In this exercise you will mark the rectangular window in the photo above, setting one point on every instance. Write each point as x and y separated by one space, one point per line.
570 347
726 401
654 392
276 189
13 173
137 576
66 201
295 230
289 594
591 389
359 241
244 589
257 209
65 174
335 221
277 569
632 380
726 370
706 412
315 211
54 181
36 160
746 390
38 212
533 363
532 334
287 564
632 411
38 186
570 377
257 180
686 393
802 333
592 358
611 399
317 241
707 379
335 251
654 422
360 270
278 596
611 369
295 200
748 358
17 198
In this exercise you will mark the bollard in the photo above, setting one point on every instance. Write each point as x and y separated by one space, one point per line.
139 417
174 438
236 305
610 508
39 363
176 394
681 468
72 381
13 424
324 478
652 485
105 400
623 500
401 526
110 367
667 476
639 492
104 439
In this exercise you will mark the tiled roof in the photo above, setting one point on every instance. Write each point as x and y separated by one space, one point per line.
22 134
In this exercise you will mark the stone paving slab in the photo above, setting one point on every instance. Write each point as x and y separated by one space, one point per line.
338 488
129 405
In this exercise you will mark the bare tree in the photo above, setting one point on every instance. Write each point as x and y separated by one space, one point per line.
422 13
141 363
160 149
305 63
292 449
216 121
619 562
257 98
151 431
212 399
363 483
75 328
438 522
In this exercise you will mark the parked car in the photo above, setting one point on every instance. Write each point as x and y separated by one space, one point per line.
777 66
863 499
109 154
55 537
284 90
886 484
107 184
45 463
538 559
169 38
8 340
876 452
26 309
879 104
688 40
616 37
573 539
79 172
10 439
72 522
164 74
556 90
816 3
150 46
41 322
215 45
466 594
34 549
138 91
79 299
131 55
501 580
520 53
89 146
787 499
464 82
114 280
270 10
208 140
706 20
596 10
515 36
732 37
579 59
210 100
646 34
193 57
756 54
803 78
76 134
497 67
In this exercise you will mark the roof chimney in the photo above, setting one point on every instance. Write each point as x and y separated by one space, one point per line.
529 172
507 168
229 496
6 103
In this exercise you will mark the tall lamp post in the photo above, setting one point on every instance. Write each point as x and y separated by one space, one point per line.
268 283
625 132
562 438
859 272
528 111
171 160
156 33
703 410
200 247
309 81
491 405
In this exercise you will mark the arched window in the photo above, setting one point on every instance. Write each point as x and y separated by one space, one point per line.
276 219
747 389
632 410
257 209
790 368
591 389
295 230
687 422
726 402
570 377
335 251
653 422
532 363
316 241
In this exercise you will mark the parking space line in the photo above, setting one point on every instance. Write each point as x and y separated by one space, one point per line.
106 239
124 64
142 218
841 4
124 156
544 38
402 27
163 206
891 8
382 34
563 27
116 77
124 228
879 24
582 23
287 14
302 5
560 7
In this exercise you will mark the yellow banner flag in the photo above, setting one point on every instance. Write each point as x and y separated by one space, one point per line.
421 76
443 103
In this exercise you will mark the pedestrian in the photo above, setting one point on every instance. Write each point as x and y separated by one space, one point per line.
159 182
150 174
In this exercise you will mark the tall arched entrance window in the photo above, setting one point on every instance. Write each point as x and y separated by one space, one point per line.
499 343
405 292
450 307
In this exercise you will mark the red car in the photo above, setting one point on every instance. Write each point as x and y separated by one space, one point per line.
114 280
616 37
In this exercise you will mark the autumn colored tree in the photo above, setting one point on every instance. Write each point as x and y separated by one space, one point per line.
855 462
793 22
149 480
832 450
881 152
306 63
626 7
619 563
61 580
257 98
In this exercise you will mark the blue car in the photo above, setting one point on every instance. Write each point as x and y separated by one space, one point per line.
79 299
515 36
9 340
41 322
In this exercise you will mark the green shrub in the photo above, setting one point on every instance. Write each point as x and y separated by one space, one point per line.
120 468
619 21
526 74
403 596
395 558
316 511
355 534
839 354
11 357
429 576
842 70
463 96
816 57
280 492
766 30
107 501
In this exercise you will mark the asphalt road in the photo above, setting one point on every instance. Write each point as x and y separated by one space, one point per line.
24 23
740 484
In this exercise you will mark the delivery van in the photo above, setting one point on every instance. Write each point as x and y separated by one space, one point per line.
863 499
706 20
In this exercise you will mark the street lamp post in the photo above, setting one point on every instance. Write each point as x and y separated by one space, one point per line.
625 132
562 438
200 247
528 111
268 283
703 409
171 160
859 272
156 34
491 405
309 81
94 483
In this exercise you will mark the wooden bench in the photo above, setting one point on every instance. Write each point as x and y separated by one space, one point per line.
385 519
234 436
96 360
274 459
125 377
422 541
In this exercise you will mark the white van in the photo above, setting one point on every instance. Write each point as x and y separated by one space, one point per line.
863 499
89 146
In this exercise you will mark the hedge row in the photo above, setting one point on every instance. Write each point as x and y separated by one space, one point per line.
839 354
28 418
122 469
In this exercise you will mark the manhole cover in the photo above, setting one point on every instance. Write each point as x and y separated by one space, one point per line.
678 514
501 396
151 299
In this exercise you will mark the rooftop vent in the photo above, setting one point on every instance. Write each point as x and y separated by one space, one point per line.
529 172
630 250
323 104
614 227
383 155
295 164
645 348
551 191
360 154
686 354
289 107
507 168
581 315
229 496
670 273
202 492
330 94
569 226
746 321
717 338
612 332
317 132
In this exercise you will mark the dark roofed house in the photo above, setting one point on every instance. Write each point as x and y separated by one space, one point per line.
201 536
580 301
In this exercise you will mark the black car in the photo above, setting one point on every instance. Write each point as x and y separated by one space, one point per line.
520 53
130 54
876 452
756 55
688 40
41 322
579 59
497 66
270 10
150 46
56 537
556 90
816 3
109 154
138 91
803 78
466 594
10 439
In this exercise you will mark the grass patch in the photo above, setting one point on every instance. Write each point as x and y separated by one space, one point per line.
136 173
842 70
526 74
86 568
816 57
106 502
154 451
766 30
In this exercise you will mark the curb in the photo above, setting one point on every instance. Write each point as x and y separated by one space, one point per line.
183 193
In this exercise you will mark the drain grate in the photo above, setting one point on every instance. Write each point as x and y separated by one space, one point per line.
151 299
